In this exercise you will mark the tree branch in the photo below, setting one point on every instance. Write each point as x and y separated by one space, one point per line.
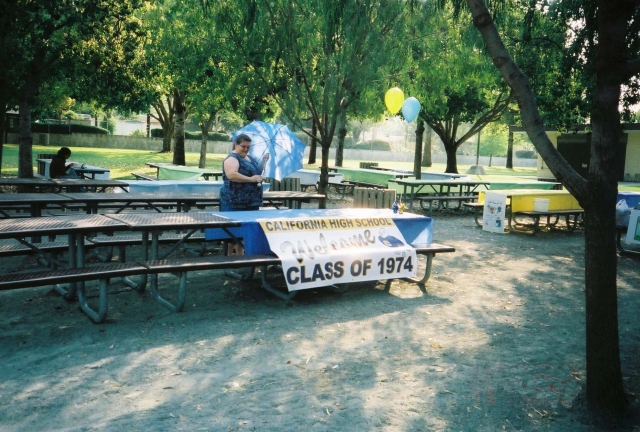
519 83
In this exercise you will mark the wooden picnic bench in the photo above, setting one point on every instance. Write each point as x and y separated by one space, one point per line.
443 202
515 222
180 267
477 209
551 217
141 176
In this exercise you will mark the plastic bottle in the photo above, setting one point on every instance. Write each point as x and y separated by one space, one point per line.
395 206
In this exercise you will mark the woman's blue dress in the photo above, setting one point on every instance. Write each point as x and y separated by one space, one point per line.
241 196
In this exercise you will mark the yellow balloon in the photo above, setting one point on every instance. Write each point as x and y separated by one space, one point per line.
393 99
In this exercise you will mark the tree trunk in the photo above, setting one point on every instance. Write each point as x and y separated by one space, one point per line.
3 123
178 129
314 144
452 161
167 137
605 389
426 154
417 157
205 125
25 141
323 183
597 195
510 150
342 133
165 115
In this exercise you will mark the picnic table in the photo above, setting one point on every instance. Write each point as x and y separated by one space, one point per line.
520 203
425 175
169 171
92 172
150 262
95 185
32 184
369 177
34 202
93 202
75 229
417 230
83 170
155 224
460 190
39 184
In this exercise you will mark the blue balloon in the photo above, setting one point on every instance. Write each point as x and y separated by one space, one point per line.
410 108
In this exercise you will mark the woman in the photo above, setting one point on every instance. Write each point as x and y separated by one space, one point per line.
59 167
242 176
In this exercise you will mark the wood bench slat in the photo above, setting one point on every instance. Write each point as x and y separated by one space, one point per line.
210 263
433 248
35 278
20 249
141 176
132 240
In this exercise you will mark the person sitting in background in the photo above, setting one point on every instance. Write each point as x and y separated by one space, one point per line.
59 167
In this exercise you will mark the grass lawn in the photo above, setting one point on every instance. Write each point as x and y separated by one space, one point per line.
122 162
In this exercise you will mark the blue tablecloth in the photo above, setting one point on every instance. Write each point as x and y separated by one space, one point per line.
632 198
416 229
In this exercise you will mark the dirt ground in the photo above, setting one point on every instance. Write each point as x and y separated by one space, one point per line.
496 341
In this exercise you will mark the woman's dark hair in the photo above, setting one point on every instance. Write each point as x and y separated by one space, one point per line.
242 138
64 151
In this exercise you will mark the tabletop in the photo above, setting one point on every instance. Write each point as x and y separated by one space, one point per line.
97 184
159 164
90 172
57 225
182 200
33 197
162 221
32 183
168 197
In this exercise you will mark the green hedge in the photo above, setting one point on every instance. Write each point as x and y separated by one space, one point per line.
373 145
65 129
213 136
526 154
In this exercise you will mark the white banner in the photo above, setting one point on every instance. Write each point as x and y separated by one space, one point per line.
493 217
323 251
